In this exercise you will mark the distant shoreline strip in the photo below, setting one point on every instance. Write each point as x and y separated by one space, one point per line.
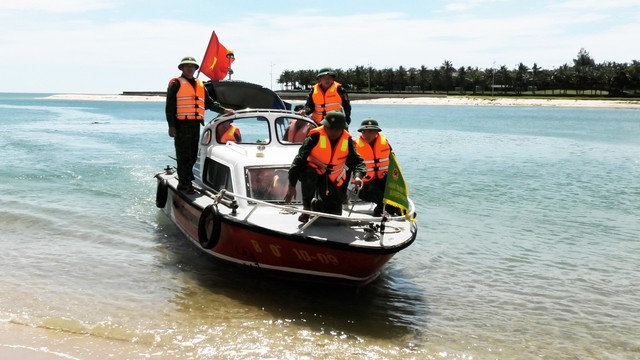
441 100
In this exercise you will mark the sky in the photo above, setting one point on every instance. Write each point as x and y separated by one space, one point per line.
111 46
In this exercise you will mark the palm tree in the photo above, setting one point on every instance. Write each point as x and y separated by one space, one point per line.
414 79
400 79
287 78
563 77
503 77
475 77
535 74
461 79
634 75
583 66
425 82
585 74
522 78
447 72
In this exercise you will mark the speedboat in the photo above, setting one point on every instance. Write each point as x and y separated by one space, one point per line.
238 214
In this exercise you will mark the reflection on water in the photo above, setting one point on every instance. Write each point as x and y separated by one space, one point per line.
527 245
390 308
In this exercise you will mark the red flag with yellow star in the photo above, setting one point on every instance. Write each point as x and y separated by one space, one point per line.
217 60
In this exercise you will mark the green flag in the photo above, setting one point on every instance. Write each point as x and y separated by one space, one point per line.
396 192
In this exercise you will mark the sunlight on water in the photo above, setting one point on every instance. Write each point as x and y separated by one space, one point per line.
527 245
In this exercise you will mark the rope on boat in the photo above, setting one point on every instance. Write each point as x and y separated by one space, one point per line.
289 209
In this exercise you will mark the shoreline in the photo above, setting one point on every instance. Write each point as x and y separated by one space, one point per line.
468 101
420 101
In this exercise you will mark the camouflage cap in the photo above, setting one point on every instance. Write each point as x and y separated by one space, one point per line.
188 60
335 120
326 71
369 124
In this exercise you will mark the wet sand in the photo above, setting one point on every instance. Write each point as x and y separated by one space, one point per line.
24 342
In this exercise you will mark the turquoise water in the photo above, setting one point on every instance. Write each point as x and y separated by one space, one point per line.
528 247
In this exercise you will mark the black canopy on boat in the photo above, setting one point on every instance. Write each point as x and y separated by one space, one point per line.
237 94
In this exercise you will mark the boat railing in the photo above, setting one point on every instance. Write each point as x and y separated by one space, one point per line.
264 111
314 215
240 112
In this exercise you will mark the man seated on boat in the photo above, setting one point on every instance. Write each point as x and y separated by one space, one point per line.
280 184
321 166
226 131
296 131
268 184
261 183
375 151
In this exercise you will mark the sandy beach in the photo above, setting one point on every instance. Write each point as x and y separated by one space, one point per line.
91 97
425 101
469 101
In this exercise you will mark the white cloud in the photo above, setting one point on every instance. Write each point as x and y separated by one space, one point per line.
57 6
80 53
593 5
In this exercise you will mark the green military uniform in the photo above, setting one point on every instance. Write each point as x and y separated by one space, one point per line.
329 196
373 190
187 132
309 106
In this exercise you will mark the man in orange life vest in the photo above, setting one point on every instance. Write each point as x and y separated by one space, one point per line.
187 99
297 130
321 166
228 132
327 95
375 150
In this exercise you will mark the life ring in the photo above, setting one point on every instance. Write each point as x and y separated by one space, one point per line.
162 193
209 226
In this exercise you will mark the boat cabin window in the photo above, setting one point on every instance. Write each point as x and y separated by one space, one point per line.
248 130
217 176
292 130
270 184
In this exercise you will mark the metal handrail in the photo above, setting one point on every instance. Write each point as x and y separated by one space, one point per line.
217 199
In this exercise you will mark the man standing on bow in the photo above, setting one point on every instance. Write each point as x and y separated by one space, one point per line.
327 95
321 167
187 99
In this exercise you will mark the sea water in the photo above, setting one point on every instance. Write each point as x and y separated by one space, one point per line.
528 243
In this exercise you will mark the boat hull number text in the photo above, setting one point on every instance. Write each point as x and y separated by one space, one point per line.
304 255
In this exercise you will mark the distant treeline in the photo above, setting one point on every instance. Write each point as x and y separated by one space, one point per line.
583 78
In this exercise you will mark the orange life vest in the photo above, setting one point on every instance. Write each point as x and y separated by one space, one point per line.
325 101
297 135
190 101
230 134
376 158
328 160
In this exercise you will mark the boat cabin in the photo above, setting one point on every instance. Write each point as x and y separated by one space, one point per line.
253 151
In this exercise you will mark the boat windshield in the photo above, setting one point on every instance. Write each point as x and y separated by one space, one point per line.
290 130
269 184
249 130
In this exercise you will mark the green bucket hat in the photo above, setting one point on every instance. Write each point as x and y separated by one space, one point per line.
369 124
335 120
188 60
326 71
